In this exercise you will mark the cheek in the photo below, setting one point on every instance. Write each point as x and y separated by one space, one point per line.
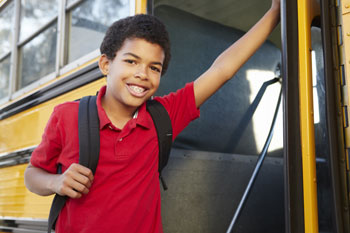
111 81
157 82
115 78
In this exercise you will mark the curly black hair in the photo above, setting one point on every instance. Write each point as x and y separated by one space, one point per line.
141 26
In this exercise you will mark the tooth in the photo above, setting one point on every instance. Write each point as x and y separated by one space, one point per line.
137 89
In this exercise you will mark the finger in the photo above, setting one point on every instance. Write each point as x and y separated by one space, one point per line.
82 179
70 193
73 180
84 171
78 187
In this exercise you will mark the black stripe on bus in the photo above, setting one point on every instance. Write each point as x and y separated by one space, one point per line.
80 78
150 7
293 188
23 225
16 158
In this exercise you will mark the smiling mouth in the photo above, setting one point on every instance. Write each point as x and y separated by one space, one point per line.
137 90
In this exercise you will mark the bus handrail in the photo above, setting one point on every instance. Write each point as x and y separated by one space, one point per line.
258 165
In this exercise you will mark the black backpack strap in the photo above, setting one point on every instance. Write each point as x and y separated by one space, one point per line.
164 129
89 149
89 133
56 207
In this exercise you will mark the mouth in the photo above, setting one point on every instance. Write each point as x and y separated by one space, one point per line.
136 90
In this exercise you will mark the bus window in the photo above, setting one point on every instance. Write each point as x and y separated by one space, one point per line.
38 36
38 57
35 14
88 22
70 2
4 77
6 22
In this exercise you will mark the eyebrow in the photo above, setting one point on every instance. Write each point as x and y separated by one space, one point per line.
137 57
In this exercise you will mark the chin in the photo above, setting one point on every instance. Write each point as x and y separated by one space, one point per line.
136 104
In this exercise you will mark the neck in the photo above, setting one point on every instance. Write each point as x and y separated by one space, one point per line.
118 113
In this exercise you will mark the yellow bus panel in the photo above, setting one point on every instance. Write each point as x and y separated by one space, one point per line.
25 129
16 201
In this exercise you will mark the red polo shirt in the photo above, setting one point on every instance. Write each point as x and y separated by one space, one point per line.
125 194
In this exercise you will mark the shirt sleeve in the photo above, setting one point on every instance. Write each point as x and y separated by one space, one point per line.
181 107
45 156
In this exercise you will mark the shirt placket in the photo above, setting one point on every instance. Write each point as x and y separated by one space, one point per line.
127 130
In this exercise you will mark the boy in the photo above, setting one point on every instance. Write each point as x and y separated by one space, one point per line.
124 195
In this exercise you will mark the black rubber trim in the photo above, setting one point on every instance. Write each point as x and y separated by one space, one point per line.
16 158
22 225
293 181
150 7
82 77
340 216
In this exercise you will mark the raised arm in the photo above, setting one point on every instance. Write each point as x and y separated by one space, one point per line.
231 60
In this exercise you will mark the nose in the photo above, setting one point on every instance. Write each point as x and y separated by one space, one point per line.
141 72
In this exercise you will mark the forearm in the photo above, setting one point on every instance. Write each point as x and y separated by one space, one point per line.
231 60
74 182
39 181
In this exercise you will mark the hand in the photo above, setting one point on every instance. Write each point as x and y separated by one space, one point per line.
74 182
275 5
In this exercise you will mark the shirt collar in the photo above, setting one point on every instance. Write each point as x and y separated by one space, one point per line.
141 116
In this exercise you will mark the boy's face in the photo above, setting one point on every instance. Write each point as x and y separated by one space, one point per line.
133 75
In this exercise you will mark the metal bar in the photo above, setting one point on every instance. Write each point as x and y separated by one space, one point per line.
14 53
306 117
3 57
257 167
73 4
247 117
60 36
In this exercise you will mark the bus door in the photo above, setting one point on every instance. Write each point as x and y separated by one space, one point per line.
316 196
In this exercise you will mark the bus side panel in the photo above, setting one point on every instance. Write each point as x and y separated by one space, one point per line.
25 129
15 200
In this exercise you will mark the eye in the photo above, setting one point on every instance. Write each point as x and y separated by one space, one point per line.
154 68
130 61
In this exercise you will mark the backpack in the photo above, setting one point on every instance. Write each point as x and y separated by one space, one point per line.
89 143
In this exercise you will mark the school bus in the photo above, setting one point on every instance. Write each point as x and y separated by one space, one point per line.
49 53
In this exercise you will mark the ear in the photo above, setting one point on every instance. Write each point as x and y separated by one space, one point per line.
103 63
